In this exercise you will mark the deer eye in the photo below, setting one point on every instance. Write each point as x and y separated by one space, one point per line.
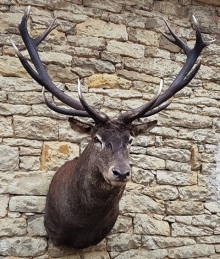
130 141
97 140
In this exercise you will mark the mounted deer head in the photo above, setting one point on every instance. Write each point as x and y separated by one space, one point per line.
83 199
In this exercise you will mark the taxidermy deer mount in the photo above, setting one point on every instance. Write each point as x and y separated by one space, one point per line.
83 199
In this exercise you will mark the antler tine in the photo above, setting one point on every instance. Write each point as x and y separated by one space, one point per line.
175 39
97 116
41 76
70 112
184 76
130 116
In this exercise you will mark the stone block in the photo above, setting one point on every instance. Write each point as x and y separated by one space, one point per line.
164 192
196 193
4 200
23 183
22 246
6 129
176 178
166 242
31 163
9 109
107 81
179 155
27 98
183 230
35 128
55 154
142 176
34 204
89 66
122 224
143 254
104 5
146 225
96 255
11 67
86 41
126 49
147 162
185 208
123 242
146 37
36 226
9 158
192 251
137 203
98 28
13 227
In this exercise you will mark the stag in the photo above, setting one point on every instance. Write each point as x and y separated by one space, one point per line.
83 198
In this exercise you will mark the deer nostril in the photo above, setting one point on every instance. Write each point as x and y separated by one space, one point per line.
116 173
121 176
127 175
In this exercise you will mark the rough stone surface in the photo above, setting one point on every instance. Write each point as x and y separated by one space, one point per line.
171 208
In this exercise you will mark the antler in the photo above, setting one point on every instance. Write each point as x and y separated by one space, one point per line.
81 108
182 79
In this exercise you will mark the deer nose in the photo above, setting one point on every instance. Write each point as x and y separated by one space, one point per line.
121 175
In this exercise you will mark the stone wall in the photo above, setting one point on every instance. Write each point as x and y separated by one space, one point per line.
171 208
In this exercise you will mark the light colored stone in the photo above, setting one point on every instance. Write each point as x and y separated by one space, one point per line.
4 200
104 5
96 255
36 226
195 193
179 155
183 230
192 251
98 28
164 192
30 163
27 204
208 239
9 109
9 158
137 203
23 183
158 67
143 36
6 129
13 227
126 49
212 207
166 242
176 178
143 254
123 242
147 162
143 224
22 246
122 224
86 41
142 176
185 208
35 128
55 154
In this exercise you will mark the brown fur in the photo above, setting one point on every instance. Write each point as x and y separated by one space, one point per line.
82 206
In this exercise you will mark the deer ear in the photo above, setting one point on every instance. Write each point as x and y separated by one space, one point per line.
80 126
142 128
